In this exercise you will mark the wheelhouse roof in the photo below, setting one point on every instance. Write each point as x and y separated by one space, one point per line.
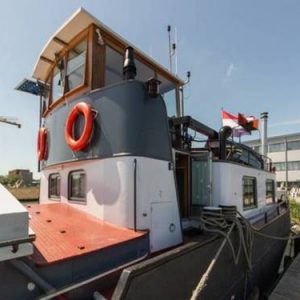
79 21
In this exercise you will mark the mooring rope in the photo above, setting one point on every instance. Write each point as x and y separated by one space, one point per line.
224 224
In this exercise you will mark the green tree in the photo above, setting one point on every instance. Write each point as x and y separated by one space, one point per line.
9 180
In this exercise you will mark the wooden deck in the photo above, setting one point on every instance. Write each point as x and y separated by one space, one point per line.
64 232
288 287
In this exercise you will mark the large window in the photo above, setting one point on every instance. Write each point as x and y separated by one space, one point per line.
170 101
294 145
270 190
113 66
54 186
280 166
293 165
244 156
58 81
66 78
278 147
249 192
76 66
77 185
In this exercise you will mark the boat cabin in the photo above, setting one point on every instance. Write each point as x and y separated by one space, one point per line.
84 55
114 141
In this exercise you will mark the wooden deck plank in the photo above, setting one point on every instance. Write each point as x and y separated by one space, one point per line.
63 232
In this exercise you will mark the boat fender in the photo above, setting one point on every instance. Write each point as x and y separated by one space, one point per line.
42 143
83 140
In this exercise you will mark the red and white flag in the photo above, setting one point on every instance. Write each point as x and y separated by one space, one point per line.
232 121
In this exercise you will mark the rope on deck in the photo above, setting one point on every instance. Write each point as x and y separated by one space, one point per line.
224 224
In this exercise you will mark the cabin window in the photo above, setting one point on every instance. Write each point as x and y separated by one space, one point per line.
270 190
77 185
46 97
170 101
113 66
254 161
58 81
249 192
76 66
143 72
54 186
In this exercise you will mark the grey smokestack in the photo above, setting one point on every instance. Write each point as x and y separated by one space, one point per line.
264 133
129 69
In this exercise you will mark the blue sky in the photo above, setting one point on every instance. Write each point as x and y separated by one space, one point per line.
244 57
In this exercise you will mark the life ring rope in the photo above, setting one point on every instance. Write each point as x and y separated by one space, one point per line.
83 140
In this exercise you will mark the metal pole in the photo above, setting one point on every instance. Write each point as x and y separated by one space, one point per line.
170 47
134 193
264 133
286 165
40 124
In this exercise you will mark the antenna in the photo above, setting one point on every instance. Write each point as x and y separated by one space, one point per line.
172 48
176 62
188 77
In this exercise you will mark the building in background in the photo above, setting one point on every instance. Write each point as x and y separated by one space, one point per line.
284 150
24 175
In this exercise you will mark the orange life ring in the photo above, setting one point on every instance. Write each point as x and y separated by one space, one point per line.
42 143
81 143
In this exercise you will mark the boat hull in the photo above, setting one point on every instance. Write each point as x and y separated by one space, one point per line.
174 275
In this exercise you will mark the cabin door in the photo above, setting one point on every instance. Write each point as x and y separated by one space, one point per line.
183 186
200 182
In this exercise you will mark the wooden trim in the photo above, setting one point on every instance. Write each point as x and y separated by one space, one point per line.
50 100
69 96
59 41
97 61
47 60
67 48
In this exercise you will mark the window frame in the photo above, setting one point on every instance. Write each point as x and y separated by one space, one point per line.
54 197
268 180
85 76
76 199
254 204
63 55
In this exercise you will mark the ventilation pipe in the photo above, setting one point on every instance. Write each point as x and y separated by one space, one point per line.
264 133
129 68
224 133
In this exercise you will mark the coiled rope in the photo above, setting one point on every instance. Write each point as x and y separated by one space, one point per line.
223 224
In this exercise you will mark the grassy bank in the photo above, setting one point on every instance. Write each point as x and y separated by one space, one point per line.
295 211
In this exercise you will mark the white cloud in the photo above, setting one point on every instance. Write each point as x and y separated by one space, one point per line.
231 68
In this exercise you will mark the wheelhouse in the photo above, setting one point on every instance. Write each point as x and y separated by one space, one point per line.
84 55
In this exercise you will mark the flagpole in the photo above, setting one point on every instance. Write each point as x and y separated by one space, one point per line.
222 109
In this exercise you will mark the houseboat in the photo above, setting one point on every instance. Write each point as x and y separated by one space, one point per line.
131 207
